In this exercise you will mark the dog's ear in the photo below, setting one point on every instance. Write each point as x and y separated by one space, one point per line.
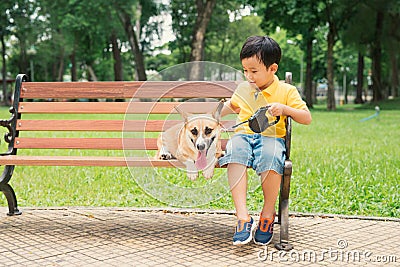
217 112
184 114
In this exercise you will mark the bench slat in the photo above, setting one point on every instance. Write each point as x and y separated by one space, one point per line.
100 125
90 143
73 107
114 107
115 90
86 143
86 161
94 125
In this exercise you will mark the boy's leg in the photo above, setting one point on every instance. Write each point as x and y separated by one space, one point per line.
270 182
237 177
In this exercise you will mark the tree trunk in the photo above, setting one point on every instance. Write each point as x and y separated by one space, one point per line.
331 105
360 79
92 75
314 92
92 78
54 71
376 55
23 64
133 41
4 70
74 76
61 66
204 11
308 84
394 59
118 73
394 53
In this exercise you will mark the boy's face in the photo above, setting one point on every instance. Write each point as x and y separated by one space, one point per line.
257 74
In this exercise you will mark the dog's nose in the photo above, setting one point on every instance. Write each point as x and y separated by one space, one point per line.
201 146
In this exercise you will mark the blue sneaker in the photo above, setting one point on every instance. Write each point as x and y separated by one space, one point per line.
265 231
244 231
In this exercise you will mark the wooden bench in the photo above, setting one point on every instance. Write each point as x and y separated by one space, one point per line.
34 98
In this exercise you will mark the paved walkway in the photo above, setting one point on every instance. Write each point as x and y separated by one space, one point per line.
129 237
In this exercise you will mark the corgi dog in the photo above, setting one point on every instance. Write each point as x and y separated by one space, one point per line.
195 142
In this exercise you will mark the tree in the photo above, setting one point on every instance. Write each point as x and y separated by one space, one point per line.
116 51
73 33
25 29
386 35
219 25
135 18
337 13
225 38
382 42
183 17
4 33
299 18
125 18
204 10
394 44
376 55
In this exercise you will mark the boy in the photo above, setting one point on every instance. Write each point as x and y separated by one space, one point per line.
264 152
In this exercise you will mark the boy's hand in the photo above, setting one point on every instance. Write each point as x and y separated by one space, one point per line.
302 116
276 109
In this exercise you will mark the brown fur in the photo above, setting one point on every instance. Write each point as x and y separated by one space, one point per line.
184 141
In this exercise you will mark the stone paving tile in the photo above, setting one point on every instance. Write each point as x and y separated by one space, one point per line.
128 237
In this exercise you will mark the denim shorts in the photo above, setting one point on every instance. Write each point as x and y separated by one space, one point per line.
260 152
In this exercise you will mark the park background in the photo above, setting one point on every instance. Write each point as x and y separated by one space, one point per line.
344 56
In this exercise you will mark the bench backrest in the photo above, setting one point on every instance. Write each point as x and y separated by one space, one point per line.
47 108
55 102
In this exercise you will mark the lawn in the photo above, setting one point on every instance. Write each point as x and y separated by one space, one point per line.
341 166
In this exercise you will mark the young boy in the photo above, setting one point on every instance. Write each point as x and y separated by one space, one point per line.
264 152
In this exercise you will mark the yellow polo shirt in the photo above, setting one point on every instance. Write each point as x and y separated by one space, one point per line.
250 99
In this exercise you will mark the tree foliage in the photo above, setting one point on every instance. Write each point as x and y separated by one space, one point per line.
116 40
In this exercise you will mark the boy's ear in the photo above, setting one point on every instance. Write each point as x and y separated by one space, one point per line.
273 67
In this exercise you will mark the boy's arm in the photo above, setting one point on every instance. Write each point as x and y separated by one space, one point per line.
302 116
229 108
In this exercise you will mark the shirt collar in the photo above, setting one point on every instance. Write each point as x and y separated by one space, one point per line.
270 90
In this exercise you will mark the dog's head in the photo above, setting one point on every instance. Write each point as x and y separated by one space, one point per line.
203 131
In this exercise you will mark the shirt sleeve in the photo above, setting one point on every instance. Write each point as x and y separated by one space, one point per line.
294 99
236 98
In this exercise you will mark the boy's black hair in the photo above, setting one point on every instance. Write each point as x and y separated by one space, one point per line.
264 48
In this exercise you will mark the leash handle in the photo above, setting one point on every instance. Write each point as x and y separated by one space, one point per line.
253 118
265 109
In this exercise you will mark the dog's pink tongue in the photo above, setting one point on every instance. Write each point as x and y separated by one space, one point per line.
201 161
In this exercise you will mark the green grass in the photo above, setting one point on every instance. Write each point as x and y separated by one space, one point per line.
341 166
346 166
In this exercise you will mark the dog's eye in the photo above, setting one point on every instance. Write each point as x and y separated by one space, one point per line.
194 131
207 131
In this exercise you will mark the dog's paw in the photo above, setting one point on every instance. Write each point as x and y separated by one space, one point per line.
191 171
192 176
208 173
166 156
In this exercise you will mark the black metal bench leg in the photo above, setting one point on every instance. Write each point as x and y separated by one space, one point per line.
11 199
9 191
283 217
